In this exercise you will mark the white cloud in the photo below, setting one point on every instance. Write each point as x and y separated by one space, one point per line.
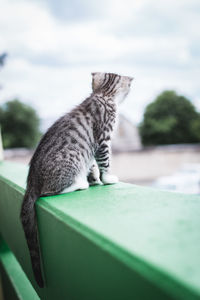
50 60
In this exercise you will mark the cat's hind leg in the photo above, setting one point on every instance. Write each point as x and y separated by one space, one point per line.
80 183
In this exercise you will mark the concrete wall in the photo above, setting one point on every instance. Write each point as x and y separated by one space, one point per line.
149 164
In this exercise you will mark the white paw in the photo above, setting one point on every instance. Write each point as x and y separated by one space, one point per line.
109 179
82 185
95 182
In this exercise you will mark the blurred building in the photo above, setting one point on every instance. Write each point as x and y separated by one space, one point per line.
126 137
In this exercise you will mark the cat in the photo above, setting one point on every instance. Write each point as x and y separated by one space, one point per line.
73 154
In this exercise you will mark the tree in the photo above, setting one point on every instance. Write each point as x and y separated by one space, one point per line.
170 119
19 125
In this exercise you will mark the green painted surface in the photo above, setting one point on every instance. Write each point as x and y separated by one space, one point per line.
15 282
111 242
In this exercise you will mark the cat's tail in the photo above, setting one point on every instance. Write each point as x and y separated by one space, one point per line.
28 219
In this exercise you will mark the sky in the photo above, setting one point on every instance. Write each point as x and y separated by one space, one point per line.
54 46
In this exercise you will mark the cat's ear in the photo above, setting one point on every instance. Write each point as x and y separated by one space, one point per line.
130 79
97 80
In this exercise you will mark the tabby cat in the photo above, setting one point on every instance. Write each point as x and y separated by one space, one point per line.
74 153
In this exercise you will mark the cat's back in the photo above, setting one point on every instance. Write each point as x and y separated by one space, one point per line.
50 139
61 132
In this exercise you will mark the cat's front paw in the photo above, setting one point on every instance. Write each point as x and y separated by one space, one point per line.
93 179
109 179
95 182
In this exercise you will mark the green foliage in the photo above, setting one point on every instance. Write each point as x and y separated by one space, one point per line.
195 126
19 125
170 119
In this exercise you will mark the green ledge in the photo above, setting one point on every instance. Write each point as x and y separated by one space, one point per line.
108 242
14 280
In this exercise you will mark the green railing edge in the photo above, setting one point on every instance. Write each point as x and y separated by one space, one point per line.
12 184
152 275
171 285
18 279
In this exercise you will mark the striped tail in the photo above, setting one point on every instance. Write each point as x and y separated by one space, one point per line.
28 219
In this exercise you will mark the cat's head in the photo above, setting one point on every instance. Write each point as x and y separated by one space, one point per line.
111 84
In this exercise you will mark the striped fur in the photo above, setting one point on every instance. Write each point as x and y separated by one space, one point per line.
63 160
